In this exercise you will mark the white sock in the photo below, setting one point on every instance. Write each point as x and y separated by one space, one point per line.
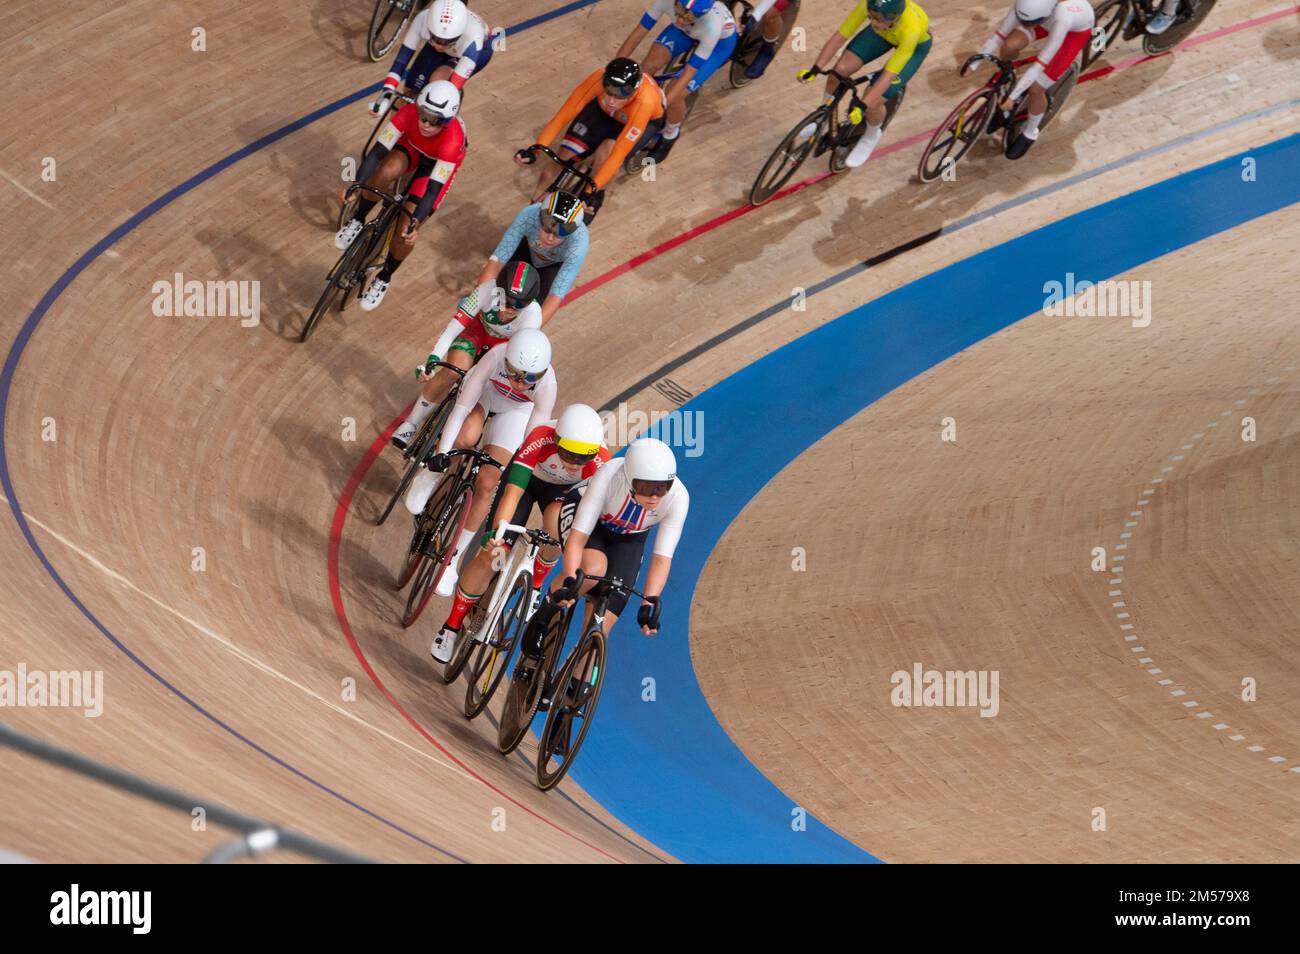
671 130
421 411
462 545
1170 8
1030 130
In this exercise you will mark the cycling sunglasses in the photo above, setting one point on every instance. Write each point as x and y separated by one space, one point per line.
432 119
569 457
651 488
556 226
523 377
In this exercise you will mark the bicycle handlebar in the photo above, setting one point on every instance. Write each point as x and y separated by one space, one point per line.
569 164
482 457
540 537
614 583
844 80
386 196
430 366
1006 66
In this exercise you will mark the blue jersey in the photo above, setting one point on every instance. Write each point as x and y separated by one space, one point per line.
571 251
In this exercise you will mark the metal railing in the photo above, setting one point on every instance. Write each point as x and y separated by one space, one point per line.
256 837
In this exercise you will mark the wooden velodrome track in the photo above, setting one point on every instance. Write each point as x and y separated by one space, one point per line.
176 433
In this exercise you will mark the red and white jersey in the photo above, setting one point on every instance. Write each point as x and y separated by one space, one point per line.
471 315
540 455
447 147
609 500
476 37
487 384
1068 16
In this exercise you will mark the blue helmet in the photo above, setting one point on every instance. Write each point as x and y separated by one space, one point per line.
696 8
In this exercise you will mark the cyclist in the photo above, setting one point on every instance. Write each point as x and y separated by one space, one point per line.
485 318
768 16
551 236
623 501
707 29
556 459
604 118
898 27
425 138
454 43
507 394
1067 27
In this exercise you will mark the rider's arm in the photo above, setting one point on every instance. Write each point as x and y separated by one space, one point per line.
644 26
647 107
468 61
451 153
586 91
761 8
1060 29
506 505
405 51
449 334
543 400
994 43
584 519
520 471
656 578
670 527
374 157
515 234
470 392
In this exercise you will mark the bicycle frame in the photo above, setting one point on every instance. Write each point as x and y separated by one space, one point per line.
568 169
523 556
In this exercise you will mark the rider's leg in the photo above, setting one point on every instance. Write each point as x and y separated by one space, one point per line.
461 354
547 557
393 166
1163 20
426 481
878 106
770 30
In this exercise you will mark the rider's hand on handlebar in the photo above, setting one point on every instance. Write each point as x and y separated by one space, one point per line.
525 157
439 463
563 593
382 100
648 615
806 76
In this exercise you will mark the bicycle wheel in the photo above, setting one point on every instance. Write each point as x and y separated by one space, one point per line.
1110 16
577 693
469 629
788 156
1057 94
492 654
426 438
450 512
386 25
635 159
957 134
338 280
745 54
524 693
1191 14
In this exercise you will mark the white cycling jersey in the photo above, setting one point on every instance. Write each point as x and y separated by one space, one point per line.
609 501
1068 16
717 24
471 311
476 37
516 408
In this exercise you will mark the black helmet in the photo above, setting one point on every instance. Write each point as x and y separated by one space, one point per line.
519 284
561 212
622 77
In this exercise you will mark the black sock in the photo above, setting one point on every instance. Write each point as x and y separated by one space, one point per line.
363 208
390 265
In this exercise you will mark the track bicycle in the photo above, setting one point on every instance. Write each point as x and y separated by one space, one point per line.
423 444
391 106
387 23
751 39
979 113
823 130
654 132
432 546
575 177
493 627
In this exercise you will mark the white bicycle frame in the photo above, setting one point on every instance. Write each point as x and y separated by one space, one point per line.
523 555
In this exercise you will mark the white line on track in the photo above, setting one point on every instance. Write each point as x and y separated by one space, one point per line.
22 188
235 650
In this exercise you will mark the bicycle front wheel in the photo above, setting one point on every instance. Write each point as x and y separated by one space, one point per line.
524 693
426 438
788 156
957 134
492 653
577 691
1109 19
386 25
449 510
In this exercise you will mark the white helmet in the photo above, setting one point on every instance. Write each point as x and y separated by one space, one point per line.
440 99
448 20
580 430
650 459
528 355
1031 11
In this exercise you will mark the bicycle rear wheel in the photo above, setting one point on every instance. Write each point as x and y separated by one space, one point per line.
788 156
386 25
1191 14
577 693
524 694
426 438
492 654
953 139
1110 18
744 56
338 280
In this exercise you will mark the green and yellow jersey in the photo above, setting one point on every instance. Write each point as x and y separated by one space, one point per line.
910 30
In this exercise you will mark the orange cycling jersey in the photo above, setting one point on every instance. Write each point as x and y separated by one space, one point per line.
645 106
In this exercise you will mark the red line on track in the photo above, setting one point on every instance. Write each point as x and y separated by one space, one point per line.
336 593
721 220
